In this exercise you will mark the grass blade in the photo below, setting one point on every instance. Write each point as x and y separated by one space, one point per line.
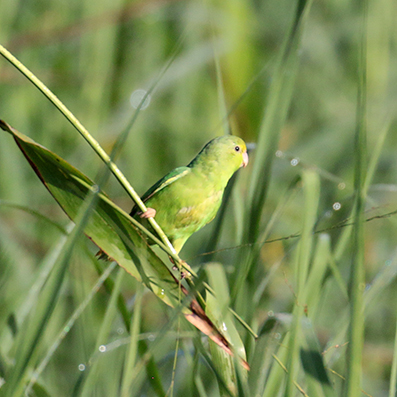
38 318
132 352
93 379
68 326
273 119
357 278
311 186
393 374
217 305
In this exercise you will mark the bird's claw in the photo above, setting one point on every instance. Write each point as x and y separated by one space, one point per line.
185 274
149 213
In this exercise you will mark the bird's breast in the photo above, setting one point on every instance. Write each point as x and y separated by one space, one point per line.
198 210
186 206
185 210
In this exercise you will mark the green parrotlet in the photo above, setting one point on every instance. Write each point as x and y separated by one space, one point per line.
188 198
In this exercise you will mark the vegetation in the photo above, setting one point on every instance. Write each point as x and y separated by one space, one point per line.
298 270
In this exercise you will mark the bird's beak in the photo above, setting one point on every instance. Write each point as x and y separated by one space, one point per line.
245 159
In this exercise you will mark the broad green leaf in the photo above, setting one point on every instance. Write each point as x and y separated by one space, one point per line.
109 227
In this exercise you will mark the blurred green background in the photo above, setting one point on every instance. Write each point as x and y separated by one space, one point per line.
95 56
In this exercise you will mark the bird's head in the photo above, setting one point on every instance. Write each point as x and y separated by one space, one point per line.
226 153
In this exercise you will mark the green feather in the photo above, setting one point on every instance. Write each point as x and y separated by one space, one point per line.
161 184
189 197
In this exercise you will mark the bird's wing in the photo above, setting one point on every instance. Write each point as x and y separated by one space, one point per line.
173 176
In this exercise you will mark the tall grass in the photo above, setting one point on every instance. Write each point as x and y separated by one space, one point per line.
287 77
357 279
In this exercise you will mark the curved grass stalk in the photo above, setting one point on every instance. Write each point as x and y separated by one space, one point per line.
96 147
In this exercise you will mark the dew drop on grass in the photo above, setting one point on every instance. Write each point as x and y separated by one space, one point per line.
151 337
102 348
336 206
341 186
295 162
81 367
137 97
270 313
279 154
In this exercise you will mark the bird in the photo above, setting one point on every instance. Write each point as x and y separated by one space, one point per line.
188 198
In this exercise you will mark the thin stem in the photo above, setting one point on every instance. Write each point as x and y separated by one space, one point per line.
95 146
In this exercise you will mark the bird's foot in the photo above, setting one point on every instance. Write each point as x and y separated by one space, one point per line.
149 213
184 273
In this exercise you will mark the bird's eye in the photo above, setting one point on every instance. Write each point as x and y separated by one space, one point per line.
237 148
